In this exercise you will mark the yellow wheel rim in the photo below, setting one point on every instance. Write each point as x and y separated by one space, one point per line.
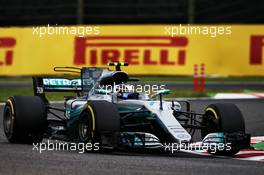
213 111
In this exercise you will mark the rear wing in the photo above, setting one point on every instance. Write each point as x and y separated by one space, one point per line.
42 85
88 78
57 84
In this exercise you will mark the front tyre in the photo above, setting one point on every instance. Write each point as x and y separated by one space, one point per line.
226 118
99 124
85 128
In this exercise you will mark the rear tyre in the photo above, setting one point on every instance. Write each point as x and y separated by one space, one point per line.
24 119
223 117
99 124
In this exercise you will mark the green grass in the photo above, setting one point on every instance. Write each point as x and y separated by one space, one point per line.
258 146
59 96
190 79
7 92
161 79
15 79
53 96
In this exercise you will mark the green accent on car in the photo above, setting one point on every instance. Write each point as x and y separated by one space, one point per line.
74 112
164 91
61 82
102 91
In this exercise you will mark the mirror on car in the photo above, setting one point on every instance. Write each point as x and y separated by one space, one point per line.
161 92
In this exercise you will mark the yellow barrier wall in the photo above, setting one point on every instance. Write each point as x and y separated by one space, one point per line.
149 49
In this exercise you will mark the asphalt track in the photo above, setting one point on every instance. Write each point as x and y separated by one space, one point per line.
21 159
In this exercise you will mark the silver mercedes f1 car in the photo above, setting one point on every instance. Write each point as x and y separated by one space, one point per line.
106 111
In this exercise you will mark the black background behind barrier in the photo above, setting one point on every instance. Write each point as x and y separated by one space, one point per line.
69 12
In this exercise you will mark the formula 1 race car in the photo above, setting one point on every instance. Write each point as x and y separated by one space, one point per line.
106 111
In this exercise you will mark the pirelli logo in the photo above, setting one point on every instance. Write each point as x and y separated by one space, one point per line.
6 50
136 50
256 49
